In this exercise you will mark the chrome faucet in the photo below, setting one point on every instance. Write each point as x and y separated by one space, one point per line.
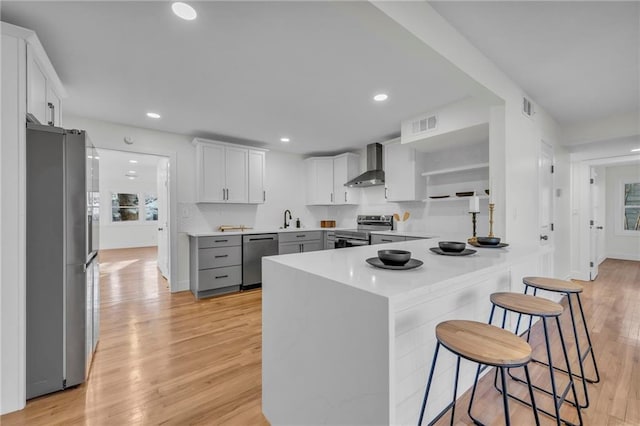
286 224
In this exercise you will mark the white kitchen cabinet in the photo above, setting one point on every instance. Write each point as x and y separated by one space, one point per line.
257 191
402 168
326 177
345 167
319 180
44 91
223 173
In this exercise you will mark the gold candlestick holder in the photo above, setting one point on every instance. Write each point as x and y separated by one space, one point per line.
491 206
473 239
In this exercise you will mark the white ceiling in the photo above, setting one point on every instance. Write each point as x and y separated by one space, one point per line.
247 72
577 59
116 165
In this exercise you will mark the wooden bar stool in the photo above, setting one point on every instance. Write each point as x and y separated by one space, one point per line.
486 345
525 304
567 288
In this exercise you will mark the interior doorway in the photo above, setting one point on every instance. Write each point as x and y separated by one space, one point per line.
135 207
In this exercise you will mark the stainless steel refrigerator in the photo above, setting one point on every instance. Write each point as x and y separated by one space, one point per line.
63 292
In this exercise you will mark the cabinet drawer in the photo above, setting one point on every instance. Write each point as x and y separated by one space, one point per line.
288 237
231 240
219 257
382 239
210 279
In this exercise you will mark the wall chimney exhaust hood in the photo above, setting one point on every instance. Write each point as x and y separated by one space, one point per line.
374 175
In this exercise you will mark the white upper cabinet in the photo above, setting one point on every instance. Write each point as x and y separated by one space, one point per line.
44 91
326 177
345 168
257 190
319 180
225 174
402 169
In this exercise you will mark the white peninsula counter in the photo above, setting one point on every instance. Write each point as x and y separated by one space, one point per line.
347 343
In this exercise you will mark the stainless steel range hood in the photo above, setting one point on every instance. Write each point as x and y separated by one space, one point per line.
374 174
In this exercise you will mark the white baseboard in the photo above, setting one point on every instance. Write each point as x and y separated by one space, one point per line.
182 286
623 256
577 275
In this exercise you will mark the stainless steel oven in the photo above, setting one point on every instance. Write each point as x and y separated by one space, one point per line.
362 235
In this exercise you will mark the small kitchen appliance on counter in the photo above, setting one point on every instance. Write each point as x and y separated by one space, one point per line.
361 236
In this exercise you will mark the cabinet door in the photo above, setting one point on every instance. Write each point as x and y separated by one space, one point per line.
324 181
237 185
312 245
211 177
383 239
289 248
53 108
257 194
400 173
36 88
345 168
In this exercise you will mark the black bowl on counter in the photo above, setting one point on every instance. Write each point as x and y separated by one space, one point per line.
394 257
452 246
488 241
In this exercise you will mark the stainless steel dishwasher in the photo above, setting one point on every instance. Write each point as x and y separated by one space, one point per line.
254 247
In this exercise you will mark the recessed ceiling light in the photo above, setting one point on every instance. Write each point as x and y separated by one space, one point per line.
380 97
153 115
184 11
89 156
96 157
132 172
635 150
285 140
133 161
131 177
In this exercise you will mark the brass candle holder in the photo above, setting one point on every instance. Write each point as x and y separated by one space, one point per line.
491 206
474 239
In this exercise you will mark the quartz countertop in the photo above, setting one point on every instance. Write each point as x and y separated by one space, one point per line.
414 234
348 266
257 231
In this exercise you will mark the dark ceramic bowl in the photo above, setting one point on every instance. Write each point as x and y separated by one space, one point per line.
394 257
489 241
452 246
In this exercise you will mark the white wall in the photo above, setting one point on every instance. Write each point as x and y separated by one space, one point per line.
114 235
618 244
523 135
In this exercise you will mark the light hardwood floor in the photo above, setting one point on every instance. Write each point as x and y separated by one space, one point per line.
167 359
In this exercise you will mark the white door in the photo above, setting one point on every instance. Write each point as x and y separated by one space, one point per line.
339 179
163 216
545 191
237 185
324 181
36 88
257 193
594 225
212 170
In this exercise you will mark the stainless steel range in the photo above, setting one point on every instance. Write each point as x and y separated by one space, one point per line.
362 235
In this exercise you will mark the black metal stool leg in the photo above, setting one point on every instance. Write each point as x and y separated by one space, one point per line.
455 391
473 394
553 379
533 399
505 397
586 330
566 358
426 392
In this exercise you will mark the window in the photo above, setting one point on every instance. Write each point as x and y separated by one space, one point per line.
124 207
631 204
151 207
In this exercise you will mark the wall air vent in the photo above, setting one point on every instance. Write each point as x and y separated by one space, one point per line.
424 124
527 107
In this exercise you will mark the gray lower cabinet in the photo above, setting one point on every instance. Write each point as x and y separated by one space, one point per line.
215 265
300 242
329 240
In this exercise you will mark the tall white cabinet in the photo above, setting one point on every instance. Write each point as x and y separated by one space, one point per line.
229 173
326 177
44 90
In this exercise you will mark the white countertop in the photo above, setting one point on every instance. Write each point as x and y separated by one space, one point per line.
415 234
257 231
348 265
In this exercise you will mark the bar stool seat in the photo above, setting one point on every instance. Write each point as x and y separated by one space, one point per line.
483 343
572 290
487 345
545 309
552 284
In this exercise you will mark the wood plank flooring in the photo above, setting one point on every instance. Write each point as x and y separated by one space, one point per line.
168 359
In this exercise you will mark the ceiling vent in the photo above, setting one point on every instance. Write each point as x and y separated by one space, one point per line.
425 124
527 107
